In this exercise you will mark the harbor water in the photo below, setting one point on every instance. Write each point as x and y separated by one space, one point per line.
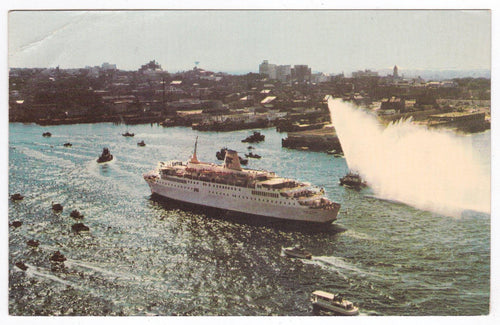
146 256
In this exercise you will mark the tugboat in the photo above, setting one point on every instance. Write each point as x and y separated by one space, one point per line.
47 134
322 300
68 144
105 156
221 155
255 137
352 180
128 134
253 155
141 144
297 251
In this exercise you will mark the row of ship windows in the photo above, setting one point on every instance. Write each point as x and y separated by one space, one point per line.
265 194
222 187
234 195
181 186
253 199
239 196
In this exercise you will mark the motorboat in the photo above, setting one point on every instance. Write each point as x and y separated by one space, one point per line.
255 137
57 207
75 214
298 252
128 134
58 257
253 155
33 243
141 144
322 300
16 197
105 156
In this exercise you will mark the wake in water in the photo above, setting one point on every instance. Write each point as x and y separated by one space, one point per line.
429 169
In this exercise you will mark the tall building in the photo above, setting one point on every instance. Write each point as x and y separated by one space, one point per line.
151 66
364 74
268 69
301 72
283 73
395 72
107 66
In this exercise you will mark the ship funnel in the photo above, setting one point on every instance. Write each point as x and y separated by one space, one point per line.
232 161
194 159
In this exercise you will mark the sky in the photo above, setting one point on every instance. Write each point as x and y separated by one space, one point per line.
330 41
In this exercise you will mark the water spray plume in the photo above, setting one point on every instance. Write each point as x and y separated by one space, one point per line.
433 170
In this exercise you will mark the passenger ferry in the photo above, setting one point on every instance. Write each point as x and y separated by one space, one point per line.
230 187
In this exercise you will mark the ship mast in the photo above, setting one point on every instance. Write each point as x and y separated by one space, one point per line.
194 159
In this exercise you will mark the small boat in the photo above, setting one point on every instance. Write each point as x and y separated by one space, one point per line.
57 257
21 265
250 147
33 243
57 207
253 155
141 144
352 180
16 224
297 251
77 227
16 197
67 144
75 214
105 156
322 300
255 137
47 134
128 134
331 152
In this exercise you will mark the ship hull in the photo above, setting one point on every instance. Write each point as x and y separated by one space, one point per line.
239 200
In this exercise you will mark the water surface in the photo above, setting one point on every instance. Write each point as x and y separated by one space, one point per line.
145 256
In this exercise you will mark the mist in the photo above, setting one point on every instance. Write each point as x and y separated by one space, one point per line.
433 170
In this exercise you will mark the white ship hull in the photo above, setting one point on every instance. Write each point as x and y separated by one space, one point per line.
238 199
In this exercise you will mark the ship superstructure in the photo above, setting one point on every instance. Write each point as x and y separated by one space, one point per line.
230 187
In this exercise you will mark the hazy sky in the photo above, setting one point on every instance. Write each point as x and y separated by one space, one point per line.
237 41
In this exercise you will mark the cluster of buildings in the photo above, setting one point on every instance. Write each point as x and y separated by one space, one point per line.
291 98
299 73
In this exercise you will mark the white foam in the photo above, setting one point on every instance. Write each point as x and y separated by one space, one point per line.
432 170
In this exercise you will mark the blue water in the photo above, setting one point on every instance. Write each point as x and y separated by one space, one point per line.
144 256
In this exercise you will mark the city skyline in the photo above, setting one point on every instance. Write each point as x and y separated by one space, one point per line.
237 41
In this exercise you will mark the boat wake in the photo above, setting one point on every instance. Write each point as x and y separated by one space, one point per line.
344 268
